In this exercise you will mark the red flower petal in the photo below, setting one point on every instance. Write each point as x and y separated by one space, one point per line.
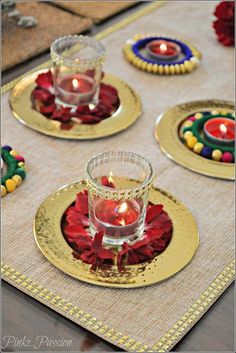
105 254
106 182
48 109
45 80
73 230
81 202
75 217
43 94
97 242
89 119
152 212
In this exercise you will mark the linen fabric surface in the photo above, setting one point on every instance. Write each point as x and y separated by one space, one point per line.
20 44
98 11
146 314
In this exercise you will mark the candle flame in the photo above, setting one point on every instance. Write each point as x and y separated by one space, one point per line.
75 83
122 208
163 47
110 179
122 222
223 128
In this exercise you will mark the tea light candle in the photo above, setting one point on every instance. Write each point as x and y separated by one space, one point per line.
220 130
117 218
163 50
76 89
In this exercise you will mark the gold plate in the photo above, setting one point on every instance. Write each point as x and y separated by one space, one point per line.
167 134
127 113
180 251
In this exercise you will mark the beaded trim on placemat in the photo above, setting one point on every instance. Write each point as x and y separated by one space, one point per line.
165 343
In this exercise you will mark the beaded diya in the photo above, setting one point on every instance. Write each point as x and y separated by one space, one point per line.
200 136
33 103
15 173
161 55
68 246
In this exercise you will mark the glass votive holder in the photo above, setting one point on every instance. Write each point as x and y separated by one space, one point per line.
118 208
77 68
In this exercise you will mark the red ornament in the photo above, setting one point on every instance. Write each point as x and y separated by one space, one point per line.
224 25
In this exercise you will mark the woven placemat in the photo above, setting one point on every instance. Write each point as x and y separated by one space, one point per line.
98 11
153 318
20 44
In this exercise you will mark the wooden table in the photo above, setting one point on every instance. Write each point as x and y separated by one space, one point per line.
26 317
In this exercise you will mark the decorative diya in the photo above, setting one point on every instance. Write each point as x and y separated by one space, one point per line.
32 101
161 55
198 135
12 168
93 251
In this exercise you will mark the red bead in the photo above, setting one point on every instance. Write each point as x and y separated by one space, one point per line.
227 157
19 158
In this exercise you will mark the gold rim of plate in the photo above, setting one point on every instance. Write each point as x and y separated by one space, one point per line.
166 133
128 112
51 242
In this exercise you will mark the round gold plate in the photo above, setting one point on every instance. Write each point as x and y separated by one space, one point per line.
180 251
167 134
127 113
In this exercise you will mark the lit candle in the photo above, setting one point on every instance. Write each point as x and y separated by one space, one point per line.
220 130
117 218
76 89
163 50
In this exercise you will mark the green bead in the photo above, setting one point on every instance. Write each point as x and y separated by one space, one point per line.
21 172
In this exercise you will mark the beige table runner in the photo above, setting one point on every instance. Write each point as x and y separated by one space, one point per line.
98 11
152 318
20 44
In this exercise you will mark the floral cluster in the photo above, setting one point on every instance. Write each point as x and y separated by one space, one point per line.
44 101
157 235
224 25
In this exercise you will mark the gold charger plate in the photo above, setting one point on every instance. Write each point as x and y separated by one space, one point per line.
127 113
180 251
166 133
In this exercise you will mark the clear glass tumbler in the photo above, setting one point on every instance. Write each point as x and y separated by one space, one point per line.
77 68
118 185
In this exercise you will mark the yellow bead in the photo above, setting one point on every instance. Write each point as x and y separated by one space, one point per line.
187 134
144 65
155 68
160 69
214 112
172 69
188 66
177 68
216 155
149 67
166 69
191 141
14 153
188 123
198 147
17 179
3 190
21 164
198 115
10 185
182 69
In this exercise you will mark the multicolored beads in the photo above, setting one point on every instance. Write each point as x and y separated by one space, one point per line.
190 133
134 48
15 172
